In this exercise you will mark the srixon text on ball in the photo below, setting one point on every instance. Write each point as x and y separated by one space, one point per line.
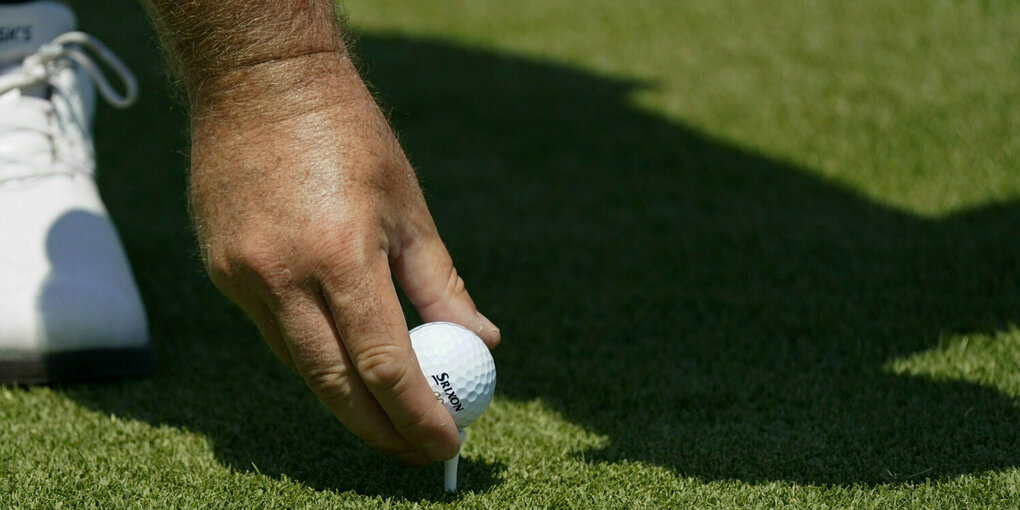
443 381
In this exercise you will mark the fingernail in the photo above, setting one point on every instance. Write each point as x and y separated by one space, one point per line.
487 331
437 450
484 324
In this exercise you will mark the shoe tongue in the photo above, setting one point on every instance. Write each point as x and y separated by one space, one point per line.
26 27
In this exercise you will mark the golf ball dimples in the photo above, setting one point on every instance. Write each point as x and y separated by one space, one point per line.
458 367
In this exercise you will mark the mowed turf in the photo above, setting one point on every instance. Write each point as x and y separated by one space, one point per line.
743 254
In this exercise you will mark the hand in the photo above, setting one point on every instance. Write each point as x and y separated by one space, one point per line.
306 208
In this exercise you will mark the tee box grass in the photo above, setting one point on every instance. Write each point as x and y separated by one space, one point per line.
743 255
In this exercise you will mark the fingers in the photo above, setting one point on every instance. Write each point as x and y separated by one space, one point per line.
371 324
267 324
426 273
350 343
317 355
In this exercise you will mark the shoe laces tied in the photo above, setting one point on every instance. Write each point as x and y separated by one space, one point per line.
40 69
39 66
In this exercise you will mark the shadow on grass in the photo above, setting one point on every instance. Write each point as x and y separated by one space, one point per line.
709 309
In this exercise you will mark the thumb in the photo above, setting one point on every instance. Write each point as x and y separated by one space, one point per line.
425 272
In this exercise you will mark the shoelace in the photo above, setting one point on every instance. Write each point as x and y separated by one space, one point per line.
38 69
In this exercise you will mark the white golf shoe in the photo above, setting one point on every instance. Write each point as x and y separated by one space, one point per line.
69 306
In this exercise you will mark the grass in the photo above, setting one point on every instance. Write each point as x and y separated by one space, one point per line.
743 255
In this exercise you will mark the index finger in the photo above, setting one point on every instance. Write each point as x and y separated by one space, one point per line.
373 331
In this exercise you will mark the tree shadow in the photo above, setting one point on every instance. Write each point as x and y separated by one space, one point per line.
711 310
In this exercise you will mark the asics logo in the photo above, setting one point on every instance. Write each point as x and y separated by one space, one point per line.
15 34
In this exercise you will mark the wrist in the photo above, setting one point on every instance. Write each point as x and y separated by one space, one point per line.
211 45
280 89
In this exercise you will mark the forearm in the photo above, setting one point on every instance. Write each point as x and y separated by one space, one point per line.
260 66
251 47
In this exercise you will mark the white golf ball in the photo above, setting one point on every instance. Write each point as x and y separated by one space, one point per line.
458 367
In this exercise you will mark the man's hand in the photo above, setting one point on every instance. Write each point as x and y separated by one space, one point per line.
306 209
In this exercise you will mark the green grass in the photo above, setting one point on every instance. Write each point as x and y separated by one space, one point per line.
743 255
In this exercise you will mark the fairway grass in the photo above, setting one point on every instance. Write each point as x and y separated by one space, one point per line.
743 255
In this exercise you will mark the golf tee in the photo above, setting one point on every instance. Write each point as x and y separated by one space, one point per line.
450 468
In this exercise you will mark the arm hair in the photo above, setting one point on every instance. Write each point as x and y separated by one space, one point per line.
207 42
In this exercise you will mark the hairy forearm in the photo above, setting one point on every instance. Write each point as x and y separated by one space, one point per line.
213 45
249 67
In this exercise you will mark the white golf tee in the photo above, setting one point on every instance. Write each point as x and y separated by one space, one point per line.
450 467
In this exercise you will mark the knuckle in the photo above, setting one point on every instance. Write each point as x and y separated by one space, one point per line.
258 256
442 295
455 285
382 367
330 384
219 266
344 271
346 257
347 252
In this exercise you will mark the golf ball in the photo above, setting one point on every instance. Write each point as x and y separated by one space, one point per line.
458 367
